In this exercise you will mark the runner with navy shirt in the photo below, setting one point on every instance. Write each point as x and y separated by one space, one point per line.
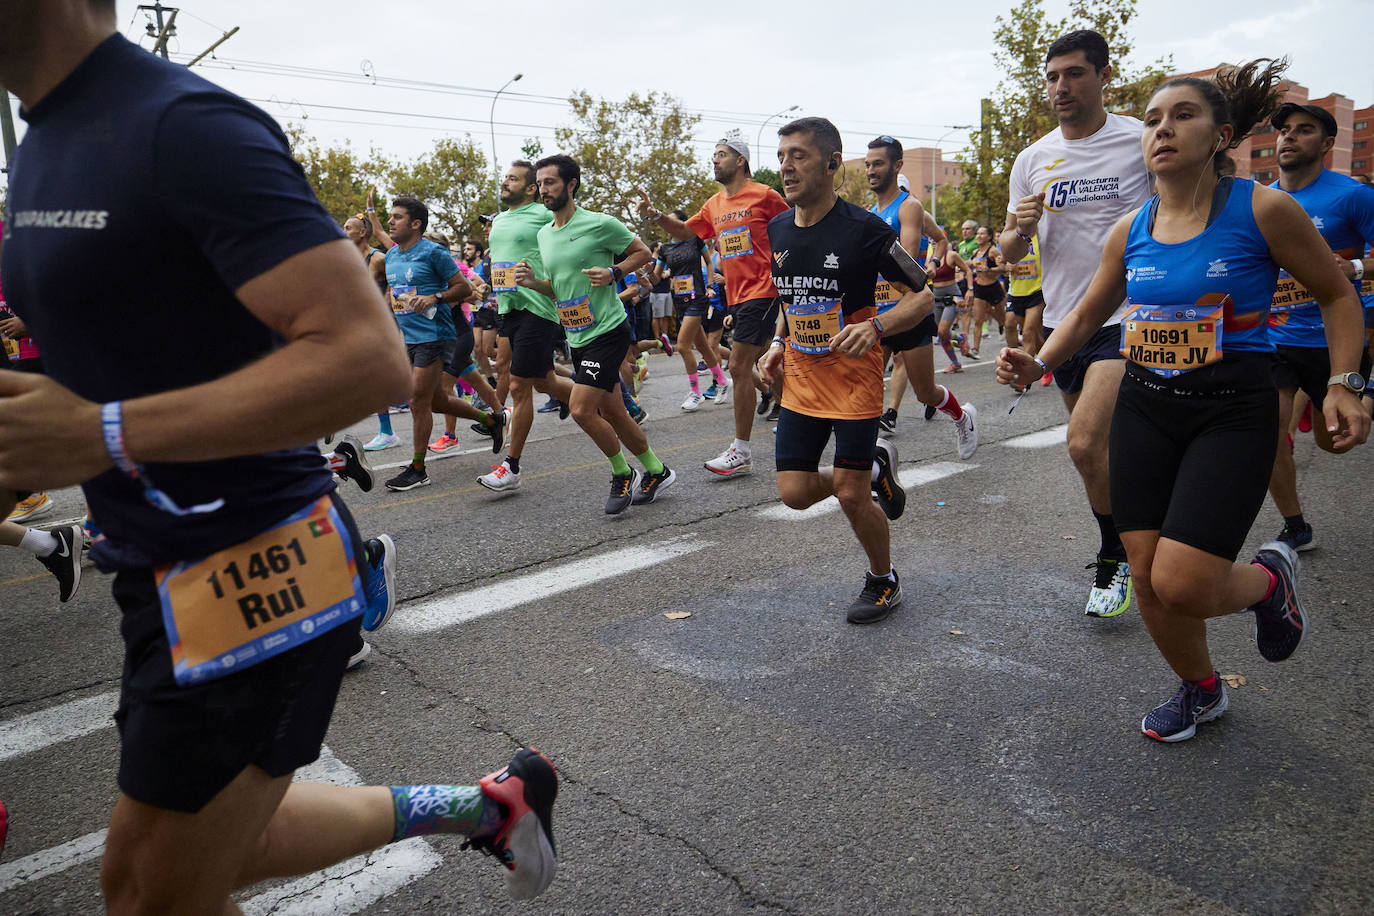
1342 209
221 522
827 254
1192 429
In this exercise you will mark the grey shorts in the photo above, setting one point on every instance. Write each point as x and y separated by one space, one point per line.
662 304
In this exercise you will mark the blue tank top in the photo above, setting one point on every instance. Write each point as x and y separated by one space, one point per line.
1194 301
885 296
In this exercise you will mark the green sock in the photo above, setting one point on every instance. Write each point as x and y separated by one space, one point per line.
486 419
419 459
650 462
619 466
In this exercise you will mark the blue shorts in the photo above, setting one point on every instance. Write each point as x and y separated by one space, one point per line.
801 440
1105 344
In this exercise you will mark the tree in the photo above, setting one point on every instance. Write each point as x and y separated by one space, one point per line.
453 181
644 142
339 177
1018 113
532 149
769 177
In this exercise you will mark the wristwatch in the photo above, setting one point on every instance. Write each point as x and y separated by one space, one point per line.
1350 381
617 274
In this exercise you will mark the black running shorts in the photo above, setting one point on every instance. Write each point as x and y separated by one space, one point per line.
715 318
1019 305
598 363
756 321
179 746
992 293
1105 344
1190 462
802 439
460 362
532 339
1305 368
484 318
919 336
424 355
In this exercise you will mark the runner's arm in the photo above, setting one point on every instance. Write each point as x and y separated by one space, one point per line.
378 231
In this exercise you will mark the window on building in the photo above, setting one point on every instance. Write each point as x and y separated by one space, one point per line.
1262 176
1264 129
1361 144
1358 164
1261 153
1361 125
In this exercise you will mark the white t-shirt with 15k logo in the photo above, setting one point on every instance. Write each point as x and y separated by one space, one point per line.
1089 184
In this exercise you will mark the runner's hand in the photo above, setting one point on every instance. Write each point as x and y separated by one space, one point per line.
770 365
1028 213
1016 367
642 206
728 322
1346 420
854 340
1346 268
371 197
14 328
49 437
600 276
524 274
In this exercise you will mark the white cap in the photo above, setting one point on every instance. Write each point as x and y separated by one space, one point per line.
903 183
734 138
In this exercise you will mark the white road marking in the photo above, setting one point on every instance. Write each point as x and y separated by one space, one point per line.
433 456
60 523
458 607
56 724
51 861
911 477
1055 435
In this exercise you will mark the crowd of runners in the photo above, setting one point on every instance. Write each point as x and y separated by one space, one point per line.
1185 315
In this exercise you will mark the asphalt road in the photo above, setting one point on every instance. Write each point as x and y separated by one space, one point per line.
979 752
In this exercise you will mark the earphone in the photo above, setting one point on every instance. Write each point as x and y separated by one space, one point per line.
832 165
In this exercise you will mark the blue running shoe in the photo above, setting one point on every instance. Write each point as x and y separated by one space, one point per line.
381 582
1279 619
711 393
1297 538
1178 719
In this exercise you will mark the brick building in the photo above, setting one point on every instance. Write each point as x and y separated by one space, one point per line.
924 167
1353 153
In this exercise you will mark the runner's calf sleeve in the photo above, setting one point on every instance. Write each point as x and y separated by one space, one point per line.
1112 548
425 810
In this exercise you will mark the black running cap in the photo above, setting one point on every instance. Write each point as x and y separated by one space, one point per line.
1288 109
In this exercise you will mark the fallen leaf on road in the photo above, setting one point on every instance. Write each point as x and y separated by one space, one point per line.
1234 680
956 632
1070 537
678 615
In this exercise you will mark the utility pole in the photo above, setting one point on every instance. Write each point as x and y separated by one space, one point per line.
6 126
165 29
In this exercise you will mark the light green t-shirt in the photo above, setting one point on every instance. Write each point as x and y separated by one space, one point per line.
515 237
587 240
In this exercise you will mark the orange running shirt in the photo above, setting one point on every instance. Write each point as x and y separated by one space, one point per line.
739 225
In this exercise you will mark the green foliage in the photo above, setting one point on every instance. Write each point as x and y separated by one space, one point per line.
532 149
453 181
769 177
338 175
854 186
1019 113
644 141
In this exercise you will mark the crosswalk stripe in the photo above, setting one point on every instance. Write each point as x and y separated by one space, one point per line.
911 477
1055 435
66 722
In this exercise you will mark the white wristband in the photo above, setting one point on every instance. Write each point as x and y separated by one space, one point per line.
1358 264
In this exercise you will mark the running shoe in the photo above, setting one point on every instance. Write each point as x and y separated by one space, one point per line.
667 345
480 404
413 476
359 655
524 846
693 401
1299 539
887 489
730 463
711 393
1178 719
564 409
973 354
623 488
1305 421
355 467
382 441
498 429
765 401
550 405
1046 379
501 478
400 408
65 562
446 442
639 415
1111 591
480 429
650 485
966 428
773 414
723 391
931 411
1279 619
701 365
381 582
36 505
952 368
877 601
888 420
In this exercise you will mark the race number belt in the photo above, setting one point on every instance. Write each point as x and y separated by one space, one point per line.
1171 341
576 314
400 297
735 242
812 326
260 598
884 295
503 276
683 285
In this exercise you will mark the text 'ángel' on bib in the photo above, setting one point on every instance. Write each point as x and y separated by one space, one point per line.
812 326
576 314
683 285
503 276
260 598
735 242
885 295
1171 340
400 299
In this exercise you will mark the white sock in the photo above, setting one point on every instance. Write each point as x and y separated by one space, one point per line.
890 575
39 543
742 447
877 472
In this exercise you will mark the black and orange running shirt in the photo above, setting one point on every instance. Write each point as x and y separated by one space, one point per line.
825 275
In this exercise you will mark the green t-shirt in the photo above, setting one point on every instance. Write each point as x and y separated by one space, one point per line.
968 247
587 240
515 237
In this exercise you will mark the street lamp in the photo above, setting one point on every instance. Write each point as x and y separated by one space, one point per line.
491 121
758 139
935 188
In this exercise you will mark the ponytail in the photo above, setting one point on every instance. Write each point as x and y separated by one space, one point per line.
1239 96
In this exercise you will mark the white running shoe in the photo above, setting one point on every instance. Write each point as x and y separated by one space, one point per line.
501 478
693 401
723 392
382 441
730 463
967 427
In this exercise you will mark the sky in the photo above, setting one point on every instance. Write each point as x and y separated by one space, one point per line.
909 70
